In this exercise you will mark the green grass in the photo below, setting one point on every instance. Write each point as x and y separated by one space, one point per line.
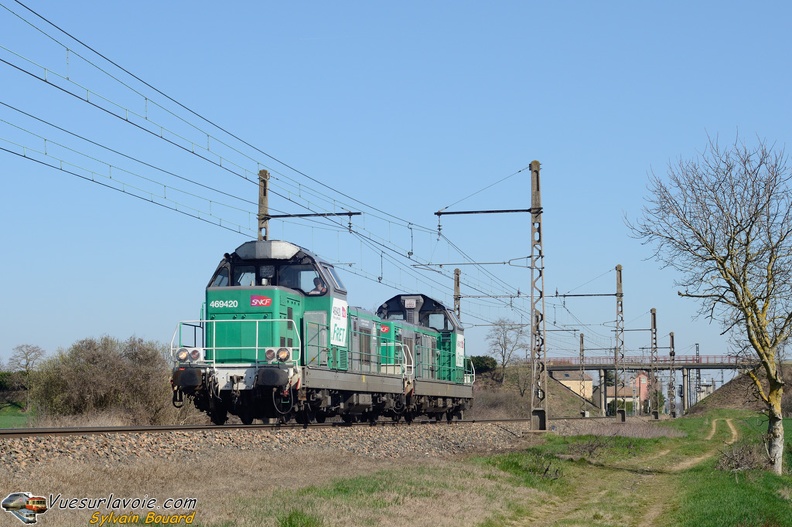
709 497
532 468
12 416
601 448
298 518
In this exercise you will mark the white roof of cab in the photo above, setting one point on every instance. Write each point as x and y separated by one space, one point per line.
274 249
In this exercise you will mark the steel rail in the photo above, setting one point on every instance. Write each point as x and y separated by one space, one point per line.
9 433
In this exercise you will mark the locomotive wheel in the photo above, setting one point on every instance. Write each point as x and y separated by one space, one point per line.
218 414
320 417
304 417
246 416
348 418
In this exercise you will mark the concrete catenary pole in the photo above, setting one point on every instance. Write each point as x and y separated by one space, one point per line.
457 294
654 388
582 389
672 379
538 350
263 213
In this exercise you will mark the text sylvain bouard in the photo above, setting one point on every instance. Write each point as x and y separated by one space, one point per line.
97 518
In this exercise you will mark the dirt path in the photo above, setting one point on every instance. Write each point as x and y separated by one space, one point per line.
688 463
633 494
660 483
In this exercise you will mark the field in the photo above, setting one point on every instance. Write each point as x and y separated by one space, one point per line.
592 473
586 480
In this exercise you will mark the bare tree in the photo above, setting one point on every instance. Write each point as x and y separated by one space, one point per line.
723 220
521 374
505 337
22 362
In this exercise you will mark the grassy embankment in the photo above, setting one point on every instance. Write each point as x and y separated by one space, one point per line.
12 416
565 480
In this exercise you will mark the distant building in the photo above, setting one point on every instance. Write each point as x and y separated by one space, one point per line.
572 380
634 392
706 388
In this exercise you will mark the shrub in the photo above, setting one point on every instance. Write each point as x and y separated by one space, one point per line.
741 456
483 363
106 375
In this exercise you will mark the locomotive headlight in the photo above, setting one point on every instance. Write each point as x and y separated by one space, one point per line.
195 354
284 354
270 354
182 354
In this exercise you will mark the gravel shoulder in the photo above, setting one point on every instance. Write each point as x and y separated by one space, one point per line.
219 467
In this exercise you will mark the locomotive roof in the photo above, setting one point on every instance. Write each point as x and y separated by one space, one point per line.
405 303
272 249
429 304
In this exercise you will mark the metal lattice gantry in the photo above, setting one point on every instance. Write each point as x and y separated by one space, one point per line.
620 377
654 388
672 378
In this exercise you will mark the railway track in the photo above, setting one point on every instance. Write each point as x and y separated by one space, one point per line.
93 430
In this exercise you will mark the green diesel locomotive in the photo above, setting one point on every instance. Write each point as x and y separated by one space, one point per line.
278 341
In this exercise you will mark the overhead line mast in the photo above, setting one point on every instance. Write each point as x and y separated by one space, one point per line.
538 326
264 216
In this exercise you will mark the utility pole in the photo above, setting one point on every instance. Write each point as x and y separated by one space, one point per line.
457 294
263 209
620 371
538 331
672 379
654 397
263 213
698 375
538 351
582 393
618 349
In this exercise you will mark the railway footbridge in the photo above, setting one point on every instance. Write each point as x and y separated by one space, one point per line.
683 363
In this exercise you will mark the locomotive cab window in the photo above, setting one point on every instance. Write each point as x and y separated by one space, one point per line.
299 277
438 321
220 278
244 275
330 271
266 274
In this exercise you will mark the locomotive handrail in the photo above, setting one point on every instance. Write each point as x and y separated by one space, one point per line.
408 366
257 348
472 373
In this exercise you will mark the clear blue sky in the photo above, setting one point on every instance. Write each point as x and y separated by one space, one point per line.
401 108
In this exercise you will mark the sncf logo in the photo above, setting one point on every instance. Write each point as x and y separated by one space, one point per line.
260 301
384 328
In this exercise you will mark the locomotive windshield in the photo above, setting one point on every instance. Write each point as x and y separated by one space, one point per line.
303 277
244 275
276 263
